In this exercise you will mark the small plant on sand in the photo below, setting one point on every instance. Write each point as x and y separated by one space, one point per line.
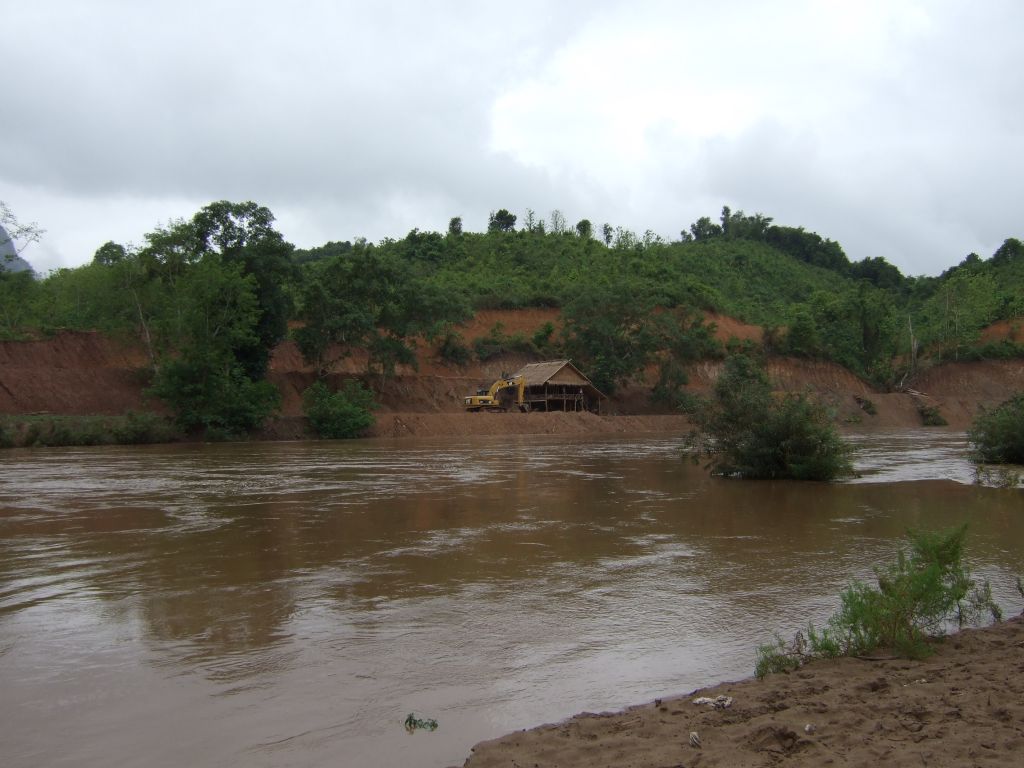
931 416
917 597
998 434
776 656
867 405
747 432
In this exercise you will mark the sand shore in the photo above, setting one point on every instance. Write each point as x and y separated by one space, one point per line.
963 706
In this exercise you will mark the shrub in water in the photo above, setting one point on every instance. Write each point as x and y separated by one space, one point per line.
998 435
747 432
338 415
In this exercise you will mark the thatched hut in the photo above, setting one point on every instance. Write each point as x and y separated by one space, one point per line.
558 385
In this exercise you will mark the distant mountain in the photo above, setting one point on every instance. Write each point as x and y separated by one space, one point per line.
10 261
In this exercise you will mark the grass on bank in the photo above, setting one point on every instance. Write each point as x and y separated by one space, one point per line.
916 598
130 428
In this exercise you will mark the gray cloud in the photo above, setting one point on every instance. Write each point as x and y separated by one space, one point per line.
895 131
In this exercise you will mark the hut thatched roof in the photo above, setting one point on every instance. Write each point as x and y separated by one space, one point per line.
555 372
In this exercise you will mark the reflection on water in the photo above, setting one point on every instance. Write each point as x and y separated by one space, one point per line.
291 603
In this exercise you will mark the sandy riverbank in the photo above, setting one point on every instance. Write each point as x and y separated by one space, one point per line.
964 706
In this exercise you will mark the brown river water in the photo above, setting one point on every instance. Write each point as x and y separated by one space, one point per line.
288 604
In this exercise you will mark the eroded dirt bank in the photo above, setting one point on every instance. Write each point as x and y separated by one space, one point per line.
87 373
964 706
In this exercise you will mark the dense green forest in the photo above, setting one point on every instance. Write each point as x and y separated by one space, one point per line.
210 296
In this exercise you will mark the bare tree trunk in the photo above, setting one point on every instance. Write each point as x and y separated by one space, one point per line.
913 346
145 332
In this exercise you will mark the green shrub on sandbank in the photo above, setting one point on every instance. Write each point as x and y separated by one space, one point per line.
916 598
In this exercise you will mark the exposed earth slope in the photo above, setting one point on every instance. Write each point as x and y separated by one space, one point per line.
86 373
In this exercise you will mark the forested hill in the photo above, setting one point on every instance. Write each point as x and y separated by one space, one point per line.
800 286
210 296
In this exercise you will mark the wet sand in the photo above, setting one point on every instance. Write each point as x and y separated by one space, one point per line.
963 706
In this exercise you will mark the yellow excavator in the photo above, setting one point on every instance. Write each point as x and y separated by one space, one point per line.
500 396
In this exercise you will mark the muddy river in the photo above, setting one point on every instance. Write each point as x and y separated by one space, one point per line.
291 603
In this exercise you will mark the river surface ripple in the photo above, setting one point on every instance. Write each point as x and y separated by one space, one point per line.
290 603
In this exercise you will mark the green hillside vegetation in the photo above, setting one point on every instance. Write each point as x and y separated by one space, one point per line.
210 296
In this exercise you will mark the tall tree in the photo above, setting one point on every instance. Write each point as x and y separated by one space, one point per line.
205 383
501 221
243 233
705 229
370 300
607 233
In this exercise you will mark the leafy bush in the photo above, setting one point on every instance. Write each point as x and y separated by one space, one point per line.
454 350
542 340
747 432
917 597
931 416
339 415
497 342
136 428
221 402
670 390
1004 349
776 656
614 332
998 435
63 430
866 405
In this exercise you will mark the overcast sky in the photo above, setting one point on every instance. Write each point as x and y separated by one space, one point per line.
896 128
